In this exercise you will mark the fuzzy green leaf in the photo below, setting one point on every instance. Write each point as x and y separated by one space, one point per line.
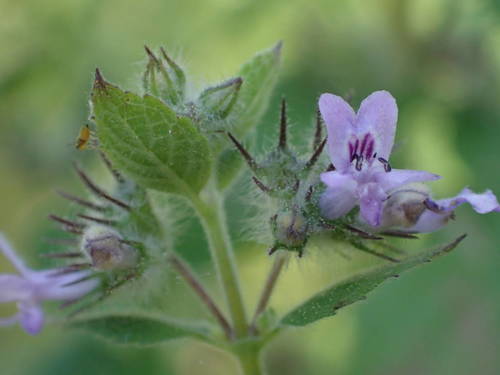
259 75
327 302
146 140
138 330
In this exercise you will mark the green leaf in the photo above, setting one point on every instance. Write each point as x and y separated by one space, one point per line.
259 75
137 329
146 140
327 302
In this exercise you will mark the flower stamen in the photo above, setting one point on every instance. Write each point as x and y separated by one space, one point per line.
387 166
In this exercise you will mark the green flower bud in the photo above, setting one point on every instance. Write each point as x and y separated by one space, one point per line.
220 100
163 78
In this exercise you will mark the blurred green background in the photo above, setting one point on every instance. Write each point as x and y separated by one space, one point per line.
439 58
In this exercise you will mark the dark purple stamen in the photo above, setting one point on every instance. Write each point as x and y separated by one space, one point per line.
362 151
359 162
432 206
387 166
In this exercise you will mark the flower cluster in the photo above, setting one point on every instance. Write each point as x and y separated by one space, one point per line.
358 197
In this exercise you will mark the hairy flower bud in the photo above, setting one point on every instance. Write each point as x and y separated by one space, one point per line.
107 250
220 99
164 78
290 229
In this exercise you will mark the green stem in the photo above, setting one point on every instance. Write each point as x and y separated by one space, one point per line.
213 219
250 361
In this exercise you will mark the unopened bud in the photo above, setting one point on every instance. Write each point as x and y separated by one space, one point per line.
164 78
290 230
220 99
107 250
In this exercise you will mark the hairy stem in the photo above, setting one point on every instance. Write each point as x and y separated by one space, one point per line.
187 274
212 214
267 291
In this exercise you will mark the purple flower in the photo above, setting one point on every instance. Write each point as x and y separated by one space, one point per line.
30 288
437 213
410 209
359 145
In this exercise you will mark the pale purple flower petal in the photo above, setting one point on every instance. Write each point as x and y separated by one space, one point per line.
400 177
31 317
67 287
482 203
372 198
429 222
335 203
338 180
340 197
378 115
13 288
339 118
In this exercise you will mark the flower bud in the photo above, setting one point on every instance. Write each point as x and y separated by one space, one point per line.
107 250
164 78
220 100
290 229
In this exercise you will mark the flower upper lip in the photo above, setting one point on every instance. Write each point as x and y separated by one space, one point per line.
359 146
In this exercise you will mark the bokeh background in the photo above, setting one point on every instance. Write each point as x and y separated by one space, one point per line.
439 58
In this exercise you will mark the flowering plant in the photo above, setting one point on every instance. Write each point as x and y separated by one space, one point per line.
167 148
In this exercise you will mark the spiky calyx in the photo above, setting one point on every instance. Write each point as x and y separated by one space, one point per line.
119 238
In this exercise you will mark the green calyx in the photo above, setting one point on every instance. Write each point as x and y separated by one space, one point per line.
288 180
